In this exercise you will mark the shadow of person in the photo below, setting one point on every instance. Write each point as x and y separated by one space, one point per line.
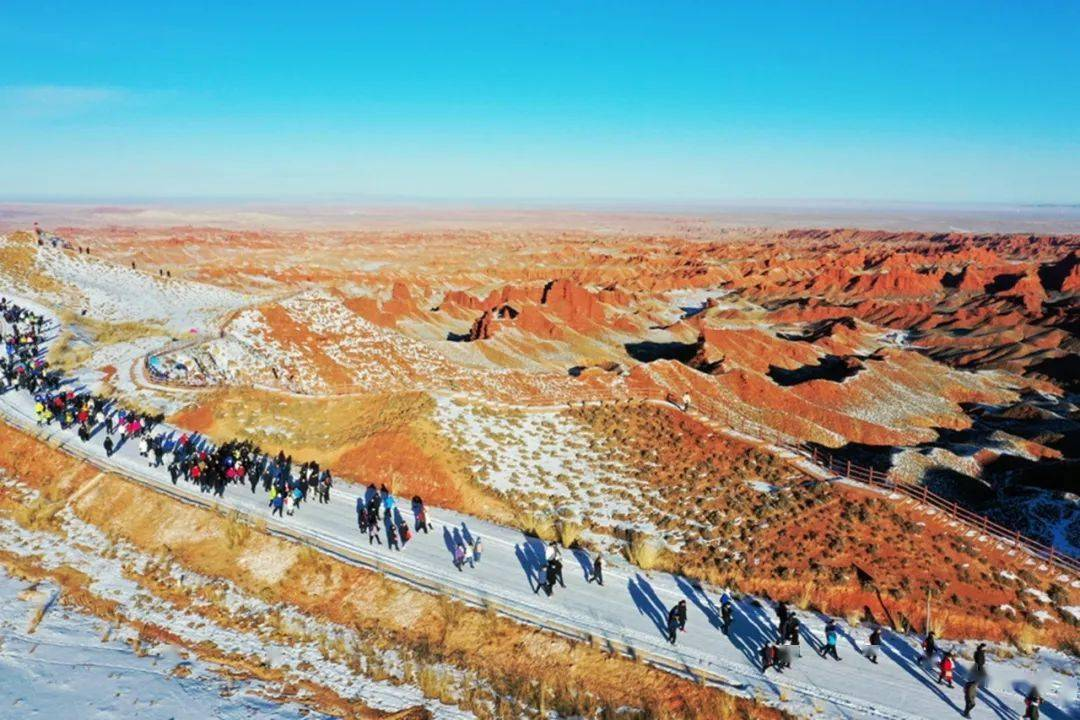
526 565
448 540
647 590
695 595
536 553
646 606
905 657
752 632
809 639
995 704
583 560
466 534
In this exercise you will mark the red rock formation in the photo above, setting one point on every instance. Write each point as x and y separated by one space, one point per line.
576 305
462 299
484 326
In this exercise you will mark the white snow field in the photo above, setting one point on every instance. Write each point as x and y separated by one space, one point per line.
628 610
72 666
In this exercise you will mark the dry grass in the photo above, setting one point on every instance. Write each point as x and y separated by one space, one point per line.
939 623
328 423
39 514
569 532
1025 639
238 530
18 259
806 597
644 550
67 354
540 524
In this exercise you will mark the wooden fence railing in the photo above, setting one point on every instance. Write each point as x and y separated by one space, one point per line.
1052 558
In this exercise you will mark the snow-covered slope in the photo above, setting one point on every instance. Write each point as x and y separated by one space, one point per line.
73 666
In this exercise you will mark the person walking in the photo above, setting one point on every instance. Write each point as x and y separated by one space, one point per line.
929 647
769 657
598 569
556 568
543 579
945 669
676 620
108 445
477 551
1033 703
783 615
277 503
391 537
420 514
325 482
875 642
831 637
971 689
373 505
980 658
372 529
793 636
726 614
361 515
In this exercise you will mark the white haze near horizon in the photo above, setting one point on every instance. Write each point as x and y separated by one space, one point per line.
627 216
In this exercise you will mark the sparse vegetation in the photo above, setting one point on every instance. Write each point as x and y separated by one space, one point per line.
644 550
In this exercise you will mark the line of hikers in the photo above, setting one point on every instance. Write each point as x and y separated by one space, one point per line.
375 505
189 456
550 571
779 656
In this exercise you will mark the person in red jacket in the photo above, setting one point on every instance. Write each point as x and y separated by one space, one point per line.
946 669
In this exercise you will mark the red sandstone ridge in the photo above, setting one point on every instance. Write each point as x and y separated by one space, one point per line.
1063 276
462 299
573 303
545 311
1027 287
972 279
485 326
896 282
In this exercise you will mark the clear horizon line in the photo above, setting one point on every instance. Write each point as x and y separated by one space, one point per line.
511 201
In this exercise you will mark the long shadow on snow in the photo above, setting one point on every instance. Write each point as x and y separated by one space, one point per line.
907 658
586 564
753 633
644 600
1048 709
695 594
525 565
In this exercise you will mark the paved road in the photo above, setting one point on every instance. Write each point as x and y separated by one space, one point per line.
627 611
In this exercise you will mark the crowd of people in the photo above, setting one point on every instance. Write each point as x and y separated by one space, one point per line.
194 459
186 456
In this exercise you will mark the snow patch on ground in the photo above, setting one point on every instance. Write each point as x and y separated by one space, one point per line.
67 668
1039 595
118 294
546 457
105 562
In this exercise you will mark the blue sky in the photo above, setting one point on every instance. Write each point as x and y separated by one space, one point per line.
660 101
